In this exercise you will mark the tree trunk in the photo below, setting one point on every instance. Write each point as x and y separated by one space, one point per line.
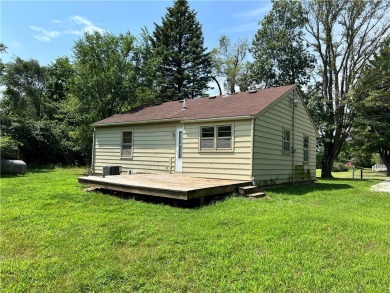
326 170
384 153
232 88
327 161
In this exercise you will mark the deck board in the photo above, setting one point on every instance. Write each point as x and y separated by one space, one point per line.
164 185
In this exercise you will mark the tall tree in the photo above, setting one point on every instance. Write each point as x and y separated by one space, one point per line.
371 128
104 82
279 49
345 35
228 60
185 67
60 74
25 91
245 80
146 63
29 109
3 49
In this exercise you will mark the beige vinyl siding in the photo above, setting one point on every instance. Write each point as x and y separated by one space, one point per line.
153 146
219 164
270 164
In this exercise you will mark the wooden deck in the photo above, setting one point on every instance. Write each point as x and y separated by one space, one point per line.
164 185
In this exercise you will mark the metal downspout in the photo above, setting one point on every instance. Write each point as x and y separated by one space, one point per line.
252 151
293 139
93 153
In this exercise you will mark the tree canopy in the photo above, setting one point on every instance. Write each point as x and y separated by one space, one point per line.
184 65
279 49
371 128
25 89
104 80
344 35
229 60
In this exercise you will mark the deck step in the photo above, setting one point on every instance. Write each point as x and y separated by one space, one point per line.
244 190
256 195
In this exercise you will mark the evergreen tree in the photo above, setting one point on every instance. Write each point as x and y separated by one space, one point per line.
184 66
145 63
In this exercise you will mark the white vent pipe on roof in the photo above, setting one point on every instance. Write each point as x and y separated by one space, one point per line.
184 104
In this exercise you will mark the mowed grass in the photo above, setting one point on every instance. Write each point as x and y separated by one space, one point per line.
367 174
55 237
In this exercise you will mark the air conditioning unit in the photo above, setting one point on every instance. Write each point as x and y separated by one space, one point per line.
112 170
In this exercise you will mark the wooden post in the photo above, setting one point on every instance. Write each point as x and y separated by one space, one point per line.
361 173
170 165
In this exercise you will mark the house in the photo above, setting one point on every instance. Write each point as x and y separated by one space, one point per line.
265 135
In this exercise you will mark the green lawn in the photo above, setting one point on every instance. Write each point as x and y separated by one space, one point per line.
367 174
55 237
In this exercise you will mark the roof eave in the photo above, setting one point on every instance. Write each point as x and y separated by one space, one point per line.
181 120
214 119
136 122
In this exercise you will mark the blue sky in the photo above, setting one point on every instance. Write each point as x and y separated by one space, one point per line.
45 30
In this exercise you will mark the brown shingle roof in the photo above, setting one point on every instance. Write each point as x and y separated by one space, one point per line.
241 104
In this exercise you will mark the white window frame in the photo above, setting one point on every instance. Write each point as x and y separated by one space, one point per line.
215 147
286 141
306 149
126 144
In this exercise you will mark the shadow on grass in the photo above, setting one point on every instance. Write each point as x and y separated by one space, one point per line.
50 168
186 204
39 170
299 189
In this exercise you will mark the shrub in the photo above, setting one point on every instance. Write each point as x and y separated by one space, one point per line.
44 142
9 148
339 167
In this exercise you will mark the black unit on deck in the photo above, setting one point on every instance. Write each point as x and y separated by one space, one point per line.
112 170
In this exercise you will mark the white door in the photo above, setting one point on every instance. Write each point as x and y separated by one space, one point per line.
179 150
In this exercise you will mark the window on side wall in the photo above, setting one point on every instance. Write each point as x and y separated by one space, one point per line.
127 144
305 149
286 141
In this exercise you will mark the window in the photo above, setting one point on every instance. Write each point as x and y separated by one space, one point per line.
207 138
305 149
286 140
216 137
127 144
224 137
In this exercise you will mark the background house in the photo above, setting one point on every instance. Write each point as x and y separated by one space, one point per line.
267 135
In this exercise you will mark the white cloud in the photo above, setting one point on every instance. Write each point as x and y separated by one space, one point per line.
45 35
77 25
74 32
254 13
87 26
246 27
56 21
